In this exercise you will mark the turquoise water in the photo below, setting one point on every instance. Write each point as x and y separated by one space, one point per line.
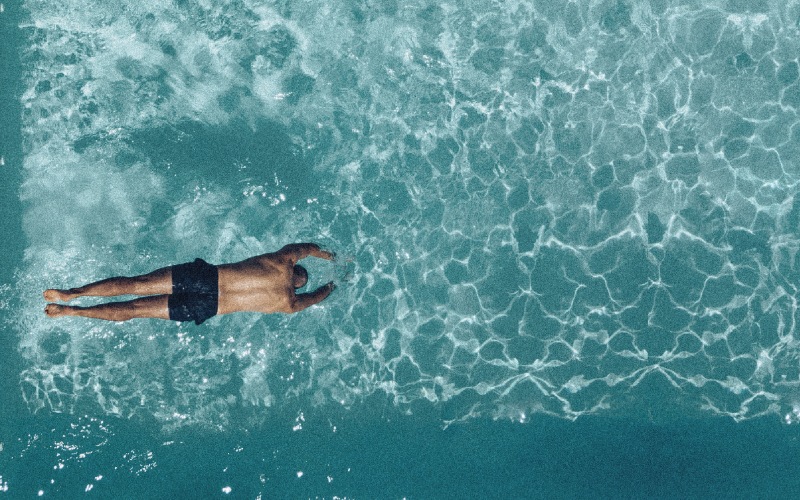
567 237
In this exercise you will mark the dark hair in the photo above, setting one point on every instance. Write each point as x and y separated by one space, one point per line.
300 276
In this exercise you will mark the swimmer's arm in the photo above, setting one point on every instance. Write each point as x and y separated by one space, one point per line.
304 300
299 251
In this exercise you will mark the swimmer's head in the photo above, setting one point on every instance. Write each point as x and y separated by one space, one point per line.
299 277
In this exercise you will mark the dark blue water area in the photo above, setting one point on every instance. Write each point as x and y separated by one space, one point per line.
358 455
12 244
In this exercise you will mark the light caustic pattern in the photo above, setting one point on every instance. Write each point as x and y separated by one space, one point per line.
559 207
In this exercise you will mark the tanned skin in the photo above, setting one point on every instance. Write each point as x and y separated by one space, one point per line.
265 284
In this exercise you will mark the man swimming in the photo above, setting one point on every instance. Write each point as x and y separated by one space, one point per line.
198 290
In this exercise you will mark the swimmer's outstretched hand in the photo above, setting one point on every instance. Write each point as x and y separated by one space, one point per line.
316 251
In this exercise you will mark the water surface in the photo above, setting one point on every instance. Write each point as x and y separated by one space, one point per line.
577 217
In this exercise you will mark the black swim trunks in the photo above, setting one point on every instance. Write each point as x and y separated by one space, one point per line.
195 292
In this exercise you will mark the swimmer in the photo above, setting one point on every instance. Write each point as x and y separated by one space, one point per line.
197 290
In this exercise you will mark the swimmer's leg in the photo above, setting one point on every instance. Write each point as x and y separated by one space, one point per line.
146 307
159 282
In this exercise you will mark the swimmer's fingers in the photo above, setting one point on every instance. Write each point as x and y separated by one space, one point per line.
325 254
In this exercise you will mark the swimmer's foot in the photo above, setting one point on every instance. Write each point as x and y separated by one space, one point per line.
56 310
52 295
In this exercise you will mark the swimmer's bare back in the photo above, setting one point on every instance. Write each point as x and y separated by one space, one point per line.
264 283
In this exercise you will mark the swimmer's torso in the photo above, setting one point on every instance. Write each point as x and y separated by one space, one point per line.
258 284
